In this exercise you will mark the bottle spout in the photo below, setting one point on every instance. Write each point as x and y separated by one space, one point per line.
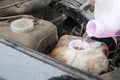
95 28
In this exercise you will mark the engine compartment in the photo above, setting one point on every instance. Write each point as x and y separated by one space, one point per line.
69 21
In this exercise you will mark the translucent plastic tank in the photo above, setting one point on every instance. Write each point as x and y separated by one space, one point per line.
37 34
90 56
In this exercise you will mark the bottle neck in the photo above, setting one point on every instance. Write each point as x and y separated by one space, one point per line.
95 28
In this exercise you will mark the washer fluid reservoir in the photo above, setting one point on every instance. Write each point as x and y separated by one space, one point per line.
90 56
41 36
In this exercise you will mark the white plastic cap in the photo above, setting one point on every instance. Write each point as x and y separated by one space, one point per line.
22 25
95 28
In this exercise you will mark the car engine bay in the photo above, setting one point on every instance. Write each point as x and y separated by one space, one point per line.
55 22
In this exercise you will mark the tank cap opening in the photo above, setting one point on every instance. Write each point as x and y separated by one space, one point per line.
78 45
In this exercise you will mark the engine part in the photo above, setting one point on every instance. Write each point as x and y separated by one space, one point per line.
12 7
91 56
77 9
115 58
35 33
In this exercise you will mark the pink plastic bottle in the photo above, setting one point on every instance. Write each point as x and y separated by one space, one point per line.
107 19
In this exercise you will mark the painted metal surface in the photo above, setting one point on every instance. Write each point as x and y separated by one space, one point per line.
15 65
